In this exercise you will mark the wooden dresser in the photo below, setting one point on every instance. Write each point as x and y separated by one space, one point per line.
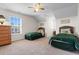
5 35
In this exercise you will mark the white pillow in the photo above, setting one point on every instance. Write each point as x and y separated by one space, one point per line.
67 31
41 31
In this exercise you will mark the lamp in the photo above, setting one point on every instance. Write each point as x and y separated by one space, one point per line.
2 19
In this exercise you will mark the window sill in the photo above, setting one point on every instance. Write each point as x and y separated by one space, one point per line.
17 34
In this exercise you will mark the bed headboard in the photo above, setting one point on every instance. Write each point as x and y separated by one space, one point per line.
42 30
67 27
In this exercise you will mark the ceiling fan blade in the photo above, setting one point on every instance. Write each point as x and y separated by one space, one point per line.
30 7
34 10
42 8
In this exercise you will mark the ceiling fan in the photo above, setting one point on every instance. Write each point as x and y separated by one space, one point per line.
37 7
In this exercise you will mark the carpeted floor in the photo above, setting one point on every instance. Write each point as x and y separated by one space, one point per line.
36 47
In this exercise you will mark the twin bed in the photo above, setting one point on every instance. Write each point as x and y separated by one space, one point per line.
65 39
35 35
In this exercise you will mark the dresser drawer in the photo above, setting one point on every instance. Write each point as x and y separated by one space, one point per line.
5 32
5 38
5 35
4 42
4 28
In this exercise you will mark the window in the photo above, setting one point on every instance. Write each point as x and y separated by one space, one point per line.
16 24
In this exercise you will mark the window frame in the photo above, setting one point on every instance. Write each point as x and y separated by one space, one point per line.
16 25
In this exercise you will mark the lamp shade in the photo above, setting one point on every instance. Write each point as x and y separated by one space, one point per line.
2 19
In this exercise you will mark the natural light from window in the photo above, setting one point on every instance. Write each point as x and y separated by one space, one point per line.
16 24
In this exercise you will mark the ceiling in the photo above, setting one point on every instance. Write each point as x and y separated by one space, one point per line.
23 8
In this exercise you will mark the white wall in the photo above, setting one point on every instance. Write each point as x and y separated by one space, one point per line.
29 24
49 25
53 21
74 21
66 12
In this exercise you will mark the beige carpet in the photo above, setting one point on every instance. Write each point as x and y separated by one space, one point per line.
36 47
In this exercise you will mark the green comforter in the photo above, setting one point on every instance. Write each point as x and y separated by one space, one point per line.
33 35
65 39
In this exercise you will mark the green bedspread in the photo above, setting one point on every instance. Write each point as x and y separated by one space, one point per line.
33 35
68 39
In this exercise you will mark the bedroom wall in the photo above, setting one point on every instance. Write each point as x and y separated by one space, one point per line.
53 21
74 21
49 25
29 24
66 12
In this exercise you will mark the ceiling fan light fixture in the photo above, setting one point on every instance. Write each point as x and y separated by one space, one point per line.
36 10
38 7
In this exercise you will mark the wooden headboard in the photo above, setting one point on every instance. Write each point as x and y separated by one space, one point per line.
66 27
